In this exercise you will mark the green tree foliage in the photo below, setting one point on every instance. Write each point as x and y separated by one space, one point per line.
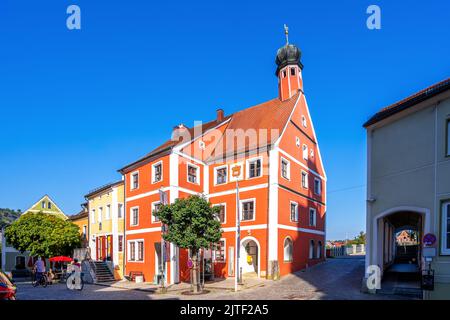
359 239
192 224
43 235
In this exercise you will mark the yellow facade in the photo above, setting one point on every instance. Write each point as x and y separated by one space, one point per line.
106 224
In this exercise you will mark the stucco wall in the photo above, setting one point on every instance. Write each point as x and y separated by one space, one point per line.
407 166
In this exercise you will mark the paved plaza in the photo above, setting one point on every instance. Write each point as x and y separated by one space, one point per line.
335 279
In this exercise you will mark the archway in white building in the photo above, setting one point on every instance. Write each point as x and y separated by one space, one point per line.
249 257
400 251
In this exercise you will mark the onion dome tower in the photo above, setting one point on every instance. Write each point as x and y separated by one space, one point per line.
289 69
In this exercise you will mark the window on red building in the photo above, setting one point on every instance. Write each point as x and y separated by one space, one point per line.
248 210
192 174
219 251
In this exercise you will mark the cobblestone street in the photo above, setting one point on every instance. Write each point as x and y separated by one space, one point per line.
335 279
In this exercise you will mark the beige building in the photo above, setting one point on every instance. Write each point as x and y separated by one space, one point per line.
106 225
408 185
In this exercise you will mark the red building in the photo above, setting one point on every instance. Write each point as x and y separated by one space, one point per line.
282 186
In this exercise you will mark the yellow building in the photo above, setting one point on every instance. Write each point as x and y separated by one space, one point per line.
81 219
106 225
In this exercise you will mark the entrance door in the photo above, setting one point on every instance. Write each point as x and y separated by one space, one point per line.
248 261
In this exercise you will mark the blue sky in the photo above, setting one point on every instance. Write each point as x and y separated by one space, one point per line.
65 96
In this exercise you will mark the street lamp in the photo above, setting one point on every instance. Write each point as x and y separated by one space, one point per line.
236 173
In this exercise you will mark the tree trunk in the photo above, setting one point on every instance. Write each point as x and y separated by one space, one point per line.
197 288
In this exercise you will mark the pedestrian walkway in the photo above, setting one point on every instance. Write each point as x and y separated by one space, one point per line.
217 285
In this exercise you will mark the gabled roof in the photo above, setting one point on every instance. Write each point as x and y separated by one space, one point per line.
103 188
264 117
269 115
409 102
167 146
80 215
36 207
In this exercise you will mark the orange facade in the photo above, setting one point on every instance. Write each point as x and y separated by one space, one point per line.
282 202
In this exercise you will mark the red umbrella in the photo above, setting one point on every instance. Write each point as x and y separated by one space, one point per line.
60 259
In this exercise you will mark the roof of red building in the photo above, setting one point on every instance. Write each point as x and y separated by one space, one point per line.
410 101
269 115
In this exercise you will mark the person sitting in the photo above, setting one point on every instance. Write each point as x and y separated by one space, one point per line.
50 276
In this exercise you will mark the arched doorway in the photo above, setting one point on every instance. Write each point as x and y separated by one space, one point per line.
397 247
249 257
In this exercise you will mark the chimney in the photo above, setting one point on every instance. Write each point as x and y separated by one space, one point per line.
220 115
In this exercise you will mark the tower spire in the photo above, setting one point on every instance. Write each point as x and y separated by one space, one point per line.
286 32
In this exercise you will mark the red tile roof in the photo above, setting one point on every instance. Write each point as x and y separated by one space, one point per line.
269 115
408 102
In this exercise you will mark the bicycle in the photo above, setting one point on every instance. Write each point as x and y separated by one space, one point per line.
71 281
40 279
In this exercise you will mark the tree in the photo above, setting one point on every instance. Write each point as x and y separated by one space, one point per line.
359 239
192 224
43 235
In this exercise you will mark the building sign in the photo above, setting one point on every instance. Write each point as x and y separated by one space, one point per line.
429 239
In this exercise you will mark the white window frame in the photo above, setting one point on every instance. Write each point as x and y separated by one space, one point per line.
306 185
43 205
296 209
305 152
288 168
132 182
224 252
445 215
120 210
314 219
108 212
225 205
311 249
284 250
201 144
154 171
136 248
190 164
247 167
304 123
131 216
241 206
93 216
100 214
319 250
49 205
320 186
153 208
215 175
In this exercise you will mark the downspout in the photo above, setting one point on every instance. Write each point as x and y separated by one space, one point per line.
268 211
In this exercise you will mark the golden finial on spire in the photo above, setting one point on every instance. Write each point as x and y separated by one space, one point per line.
286 32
